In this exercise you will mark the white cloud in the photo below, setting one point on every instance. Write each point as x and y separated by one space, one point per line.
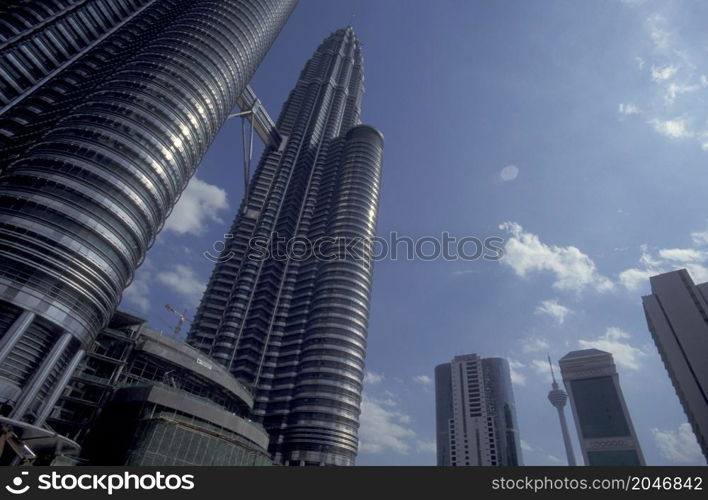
383 428
199 204
635 279
525 253
681 254
540 366
573 270
703 139
662 73
675 70
517 378
509 173
426 446
614 342
698 272
679 446
640 62
537 455
674 89
695 261
553 309
138 293
700 237
184 281
673 129
423 380
373 378
629 109
659 35
534 343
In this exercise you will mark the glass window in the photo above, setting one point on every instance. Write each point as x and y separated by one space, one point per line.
599 408
614 457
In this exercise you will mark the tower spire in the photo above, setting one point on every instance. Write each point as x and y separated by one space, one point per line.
558 399
553 376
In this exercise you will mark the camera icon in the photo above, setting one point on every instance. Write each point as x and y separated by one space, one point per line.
16 488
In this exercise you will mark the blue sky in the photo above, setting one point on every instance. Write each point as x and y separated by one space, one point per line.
575 130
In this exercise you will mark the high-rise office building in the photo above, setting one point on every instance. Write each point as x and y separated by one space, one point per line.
602 420
107 108
677 315
286 307
476 420
558 399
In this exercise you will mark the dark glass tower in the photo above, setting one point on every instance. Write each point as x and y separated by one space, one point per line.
107 109
605 429
293 328
501 405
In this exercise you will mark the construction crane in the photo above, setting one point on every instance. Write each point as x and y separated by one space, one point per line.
182 319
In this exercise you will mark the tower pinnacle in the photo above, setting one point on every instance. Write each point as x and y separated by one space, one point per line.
558 399
553 376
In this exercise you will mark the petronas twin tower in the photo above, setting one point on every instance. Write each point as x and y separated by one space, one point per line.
107 109
295 329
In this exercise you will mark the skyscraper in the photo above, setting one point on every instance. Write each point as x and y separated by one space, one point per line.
293 327
677 315
602 420
107 109
475 413
558 399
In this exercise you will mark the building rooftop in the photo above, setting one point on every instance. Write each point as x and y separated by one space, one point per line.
583 353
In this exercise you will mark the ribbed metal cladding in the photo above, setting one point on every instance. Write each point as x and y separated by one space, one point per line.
324 411
81 206
54 53
38 38
106 109
294 329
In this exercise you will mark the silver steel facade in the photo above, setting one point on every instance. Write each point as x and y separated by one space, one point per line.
604 426
677 315
107 109
294 329
476 421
